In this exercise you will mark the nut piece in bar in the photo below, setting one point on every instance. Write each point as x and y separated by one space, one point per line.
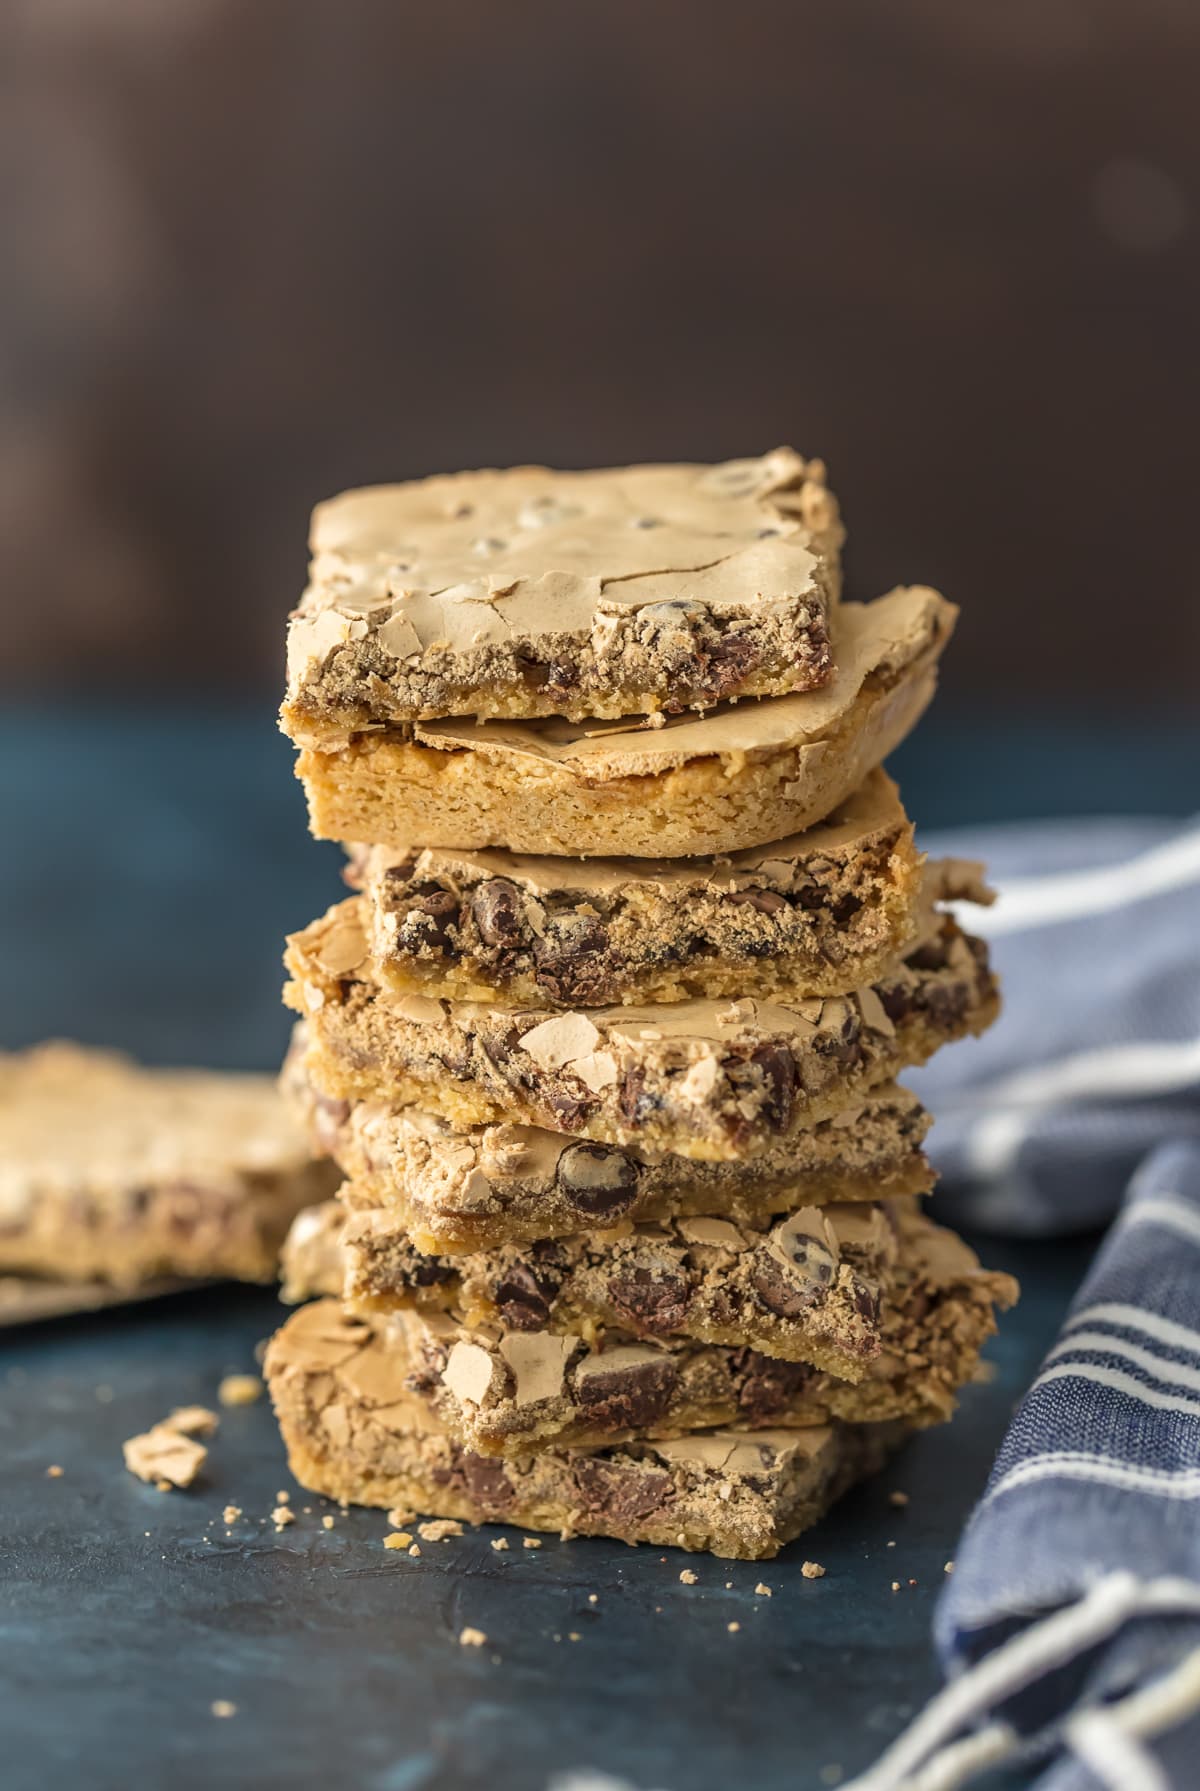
816 914
737 776
482 1186
504 1391
353 1432
120 1174
528 592
707 1079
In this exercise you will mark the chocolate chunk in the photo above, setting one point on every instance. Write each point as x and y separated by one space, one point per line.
654 1303
523 1298
636 1101
570 1110
430 923
763 901
866 1301
565 958
765 1385
777 1068
628 1396
730 661
930 956
794 1270
597 1179
624 1493
898 1000
430 1271
499 913
487 1482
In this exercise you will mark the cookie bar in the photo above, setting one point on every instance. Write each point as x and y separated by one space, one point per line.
355 1433
813 915
805 1289
457 1190
503 1391
705 1079
529 592
741 775
119 1174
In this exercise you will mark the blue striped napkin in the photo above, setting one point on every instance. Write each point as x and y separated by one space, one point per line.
1070 1629
1096 937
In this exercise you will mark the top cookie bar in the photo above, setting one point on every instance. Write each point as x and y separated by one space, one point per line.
529 592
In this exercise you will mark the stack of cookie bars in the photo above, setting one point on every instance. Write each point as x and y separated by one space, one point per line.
605 1039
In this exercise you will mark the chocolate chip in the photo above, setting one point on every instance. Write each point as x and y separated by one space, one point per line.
487 1482
765 1385
777 1067
430 1271
624 1493
499 913
597 1179
567 941
570 1110
630 1396
654 1303
930 956
763 901
523 1298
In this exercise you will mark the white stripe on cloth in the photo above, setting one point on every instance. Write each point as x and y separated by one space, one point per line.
1159 1368
1136 1318
1117 1072
1118 1761
1027 902
1100 1470
927 1758
1118 1382
1164 1209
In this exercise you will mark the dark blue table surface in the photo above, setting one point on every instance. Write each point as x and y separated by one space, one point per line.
152 863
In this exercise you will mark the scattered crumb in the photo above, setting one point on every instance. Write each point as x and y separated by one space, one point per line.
500 1543
54 1472
949 1567
415 1549
281 1517
895 1585
222 1707
729 1585
733 1628
889 1545
283 1498
593 1598
399 1517
762 1591
899 1500
912 1582
240 1389
439 1529
163 1458
531 1542
192 1421
812 1570
231 1514
688 1578
572 1635
327 1522
398 1539
471 1638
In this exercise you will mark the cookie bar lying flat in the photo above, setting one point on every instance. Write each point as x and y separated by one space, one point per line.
473 1189
812 915
710 1080
806 1289
110 1172
503 1391
353 1432
529 592
743 774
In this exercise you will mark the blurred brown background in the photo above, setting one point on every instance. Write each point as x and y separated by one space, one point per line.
257 251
